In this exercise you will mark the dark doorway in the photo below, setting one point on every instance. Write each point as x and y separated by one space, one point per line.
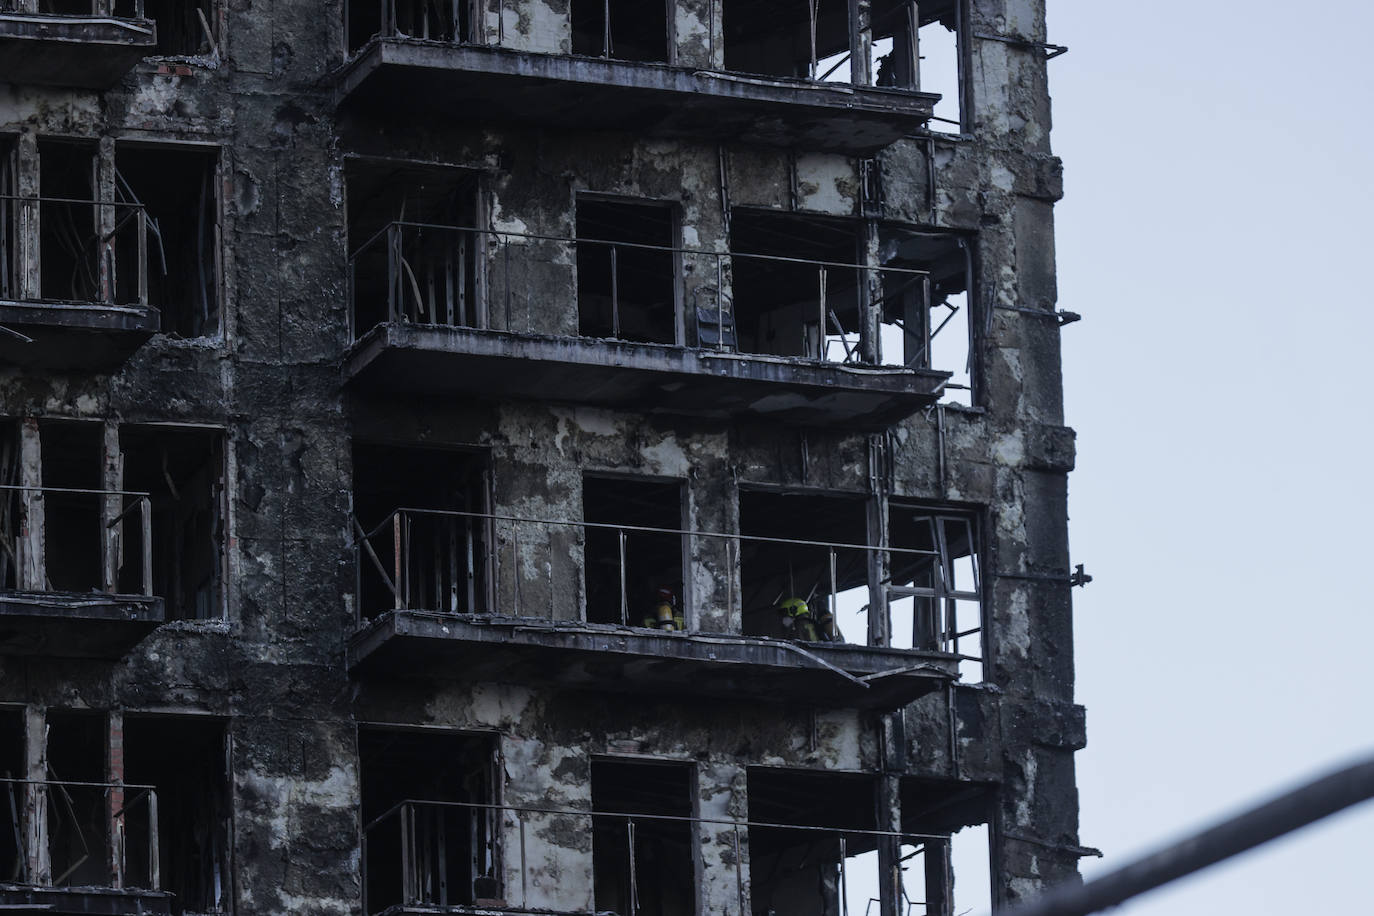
625 290
659 879
652 560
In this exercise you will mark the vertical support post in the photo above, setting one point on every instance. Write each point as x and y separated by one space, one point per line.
37 862
115 819
393 270
524 871
111 535
739 874
860 43
142 229
939 878
634 879
105 219
32 572
624 598
844 876
471 568
834 603
396 559
606 28
879 624
615 293
870 296
145 520
408 895
27 186
154 844
820 325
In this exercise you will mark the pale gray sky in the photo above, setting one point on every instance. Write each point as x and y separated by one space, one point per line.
1215 237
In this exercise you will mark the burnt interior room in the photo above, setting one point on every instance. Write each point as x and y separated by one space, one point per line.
624 291
182 471
184 27
183 759
11 513
652 560
9 248
444 558
66 7
12 767
943 816
664 861
798 871
774 38
777 303
176 187
771 571
423 271
78 826
943 561
449 846
638 29
72 522
420 19
925 318
68 240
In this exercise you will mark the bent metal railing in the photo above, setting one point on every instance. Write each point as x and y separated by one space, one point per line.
481 564
442 275
440 853
96 553
80 834
59 250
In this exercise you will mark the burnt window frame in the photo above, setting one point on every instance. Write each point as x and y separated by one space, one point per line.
674 211
976 518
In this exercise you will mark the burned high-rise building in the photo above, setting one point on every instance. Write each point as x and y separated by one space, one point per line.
531 456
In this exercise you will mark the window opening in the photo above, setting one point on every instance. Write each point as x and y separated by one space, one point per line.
449 21
183 758
69 230
625 290
893 54
621 29
72 522
182 471
926 319
415 249
643 849
9 216
935 602
185 28
801 296
66 7
783 39
808 872
77 822
634 577
11 506
941 68
947 863
13 767
428 837
176 187
830 582
409 497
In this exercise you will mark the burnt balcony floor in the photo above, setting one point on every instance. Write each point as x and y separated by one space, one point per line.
84 52
441 360
75 625
592 93
95 901
602 657
72 335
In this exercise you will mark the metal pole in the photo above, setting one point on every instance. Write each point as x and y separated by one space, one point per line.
844 880
615 295
634 883
739 874
624 599
1284 814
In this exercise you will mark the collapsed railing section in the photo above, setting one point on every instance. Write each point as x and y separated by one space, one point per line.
80 834
102 540
440 854
59 251
809 590
831 311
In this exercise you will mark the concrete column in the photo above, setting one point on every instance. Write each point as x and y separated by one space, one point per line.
27 186
106 217
31 546
860 43
111 538
114 772
37 863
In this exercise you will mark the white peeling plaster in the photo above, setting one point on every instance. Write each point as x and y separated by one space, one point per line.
666 458
1024 804
1010 449
827 183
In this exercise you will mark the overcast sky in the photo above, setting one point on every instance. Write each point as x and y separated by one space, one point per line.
1215 237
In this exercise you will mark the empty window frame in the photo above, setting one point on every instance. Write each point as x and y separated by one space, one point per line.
78 821
629 570
182 469
775 567
947 859
185 28
797 287
13 769
627 272
622 29
806 39
65 7
429 833
69 243
428 502
184 758
941 59
644 858
9 219
176 187
807 872
414 251
927 321
935 601
448 21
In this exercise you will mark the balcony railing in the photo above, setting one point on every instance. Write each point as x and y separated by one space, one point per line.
68 540
65 251
442 854
505 566
80 834
447 276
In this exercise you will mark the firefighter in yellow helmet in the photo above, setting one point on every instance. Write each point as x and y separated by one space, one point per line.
666 614
802 623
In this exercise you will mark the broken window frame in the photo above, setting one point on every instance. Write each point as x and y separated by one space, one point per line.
466 26
624 533
607 19
944 632
204 21
584 245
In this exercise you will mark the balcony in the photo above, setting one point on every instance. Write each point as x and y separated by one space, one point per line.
442 310
446 594
73 282
80 847
73 585
81 50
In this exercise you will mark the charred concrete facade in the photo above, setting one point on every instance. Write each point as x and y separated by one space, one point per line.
414 416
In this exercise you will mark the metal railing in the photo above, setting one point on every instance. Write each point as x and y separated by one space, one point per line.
67 250
81 834
95 549
435 274
100 9
435 853
507 566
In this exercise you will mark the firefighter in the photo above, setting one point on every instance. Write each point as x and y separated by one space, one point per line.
666 615
797 619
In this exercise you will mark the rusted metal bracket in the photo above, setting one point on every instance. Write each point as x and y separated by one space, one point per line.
1082 852
1076 579
1016 41
1060 316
